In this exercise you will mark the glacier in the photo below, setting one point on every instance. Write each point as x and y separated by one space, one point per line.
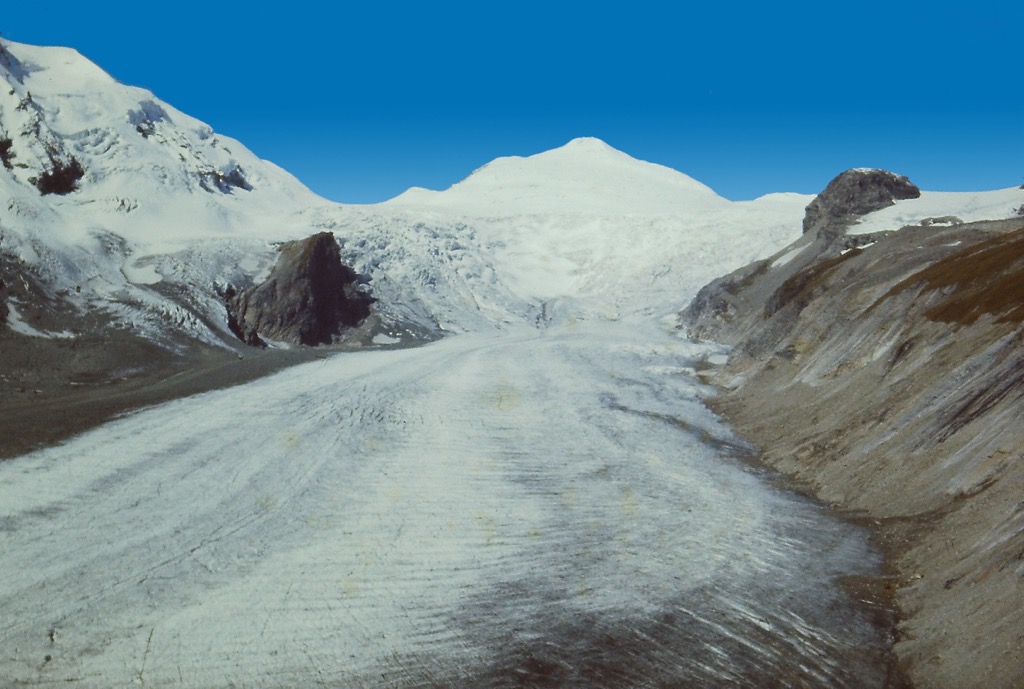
536 498
536 507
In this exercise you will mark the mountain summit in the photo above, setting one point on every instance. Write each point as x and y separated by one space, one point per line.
122 159
585 175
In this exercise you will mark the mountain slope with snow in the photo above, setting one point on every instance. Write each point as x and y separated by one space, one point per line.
149 181
583 230
150 172
585 175
164 205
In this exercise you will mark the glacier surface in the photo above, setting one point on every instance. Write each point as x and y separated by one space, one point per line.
534 507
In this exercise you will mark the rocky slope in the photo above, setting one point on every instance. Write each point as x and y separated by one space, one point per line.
885 371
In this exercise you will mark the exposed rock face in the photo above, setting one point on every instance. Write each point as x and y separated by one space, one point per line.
890 381
852 194
62 178
224 181
6 155
760 306
309 298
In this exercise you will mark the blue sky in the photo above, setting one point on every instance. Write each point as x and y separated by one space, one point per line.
362 102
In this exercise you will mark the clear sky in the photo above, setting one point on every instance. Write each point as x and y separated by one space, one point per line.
363 100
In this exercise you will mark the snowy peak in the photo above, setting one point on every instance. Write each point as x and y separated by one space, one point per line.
51 70
109 190
69 129
588 144
585 175
587 149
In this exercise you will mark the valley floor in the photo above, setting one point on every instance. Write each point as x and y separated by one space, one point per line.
53 389
520 508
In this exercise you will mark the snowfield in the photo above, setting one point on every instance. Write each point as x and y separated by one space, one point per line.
943 208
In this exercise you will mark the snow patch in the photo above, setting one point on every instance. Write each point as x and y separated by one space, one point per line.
17 323
965 206
141 271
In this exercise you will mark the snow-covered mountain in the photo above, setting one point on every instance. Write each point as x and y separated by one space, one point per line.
584 176
99 179
141 160
543 499
128 207
158 214
590 226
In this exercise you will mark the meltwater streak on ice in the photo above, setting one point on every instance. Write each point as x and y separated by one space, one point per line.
487 511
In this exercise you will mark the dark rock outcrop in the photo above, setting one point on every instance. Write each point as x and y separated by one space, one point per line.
62 178
852 194
225 181
6 154
310 297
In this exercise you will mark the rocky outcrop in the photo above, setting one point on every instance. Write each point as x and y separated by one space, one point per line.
6 154
758 305
889 380
852 194
225 181
310 297
43 156
61 178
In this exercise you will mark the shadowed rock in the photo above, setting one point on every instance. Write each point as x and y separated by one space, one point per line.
62 177
6 154
309 298
852 194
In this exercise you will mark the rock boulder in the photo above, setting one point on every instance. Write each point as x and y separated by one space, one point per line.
852 194
310 297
